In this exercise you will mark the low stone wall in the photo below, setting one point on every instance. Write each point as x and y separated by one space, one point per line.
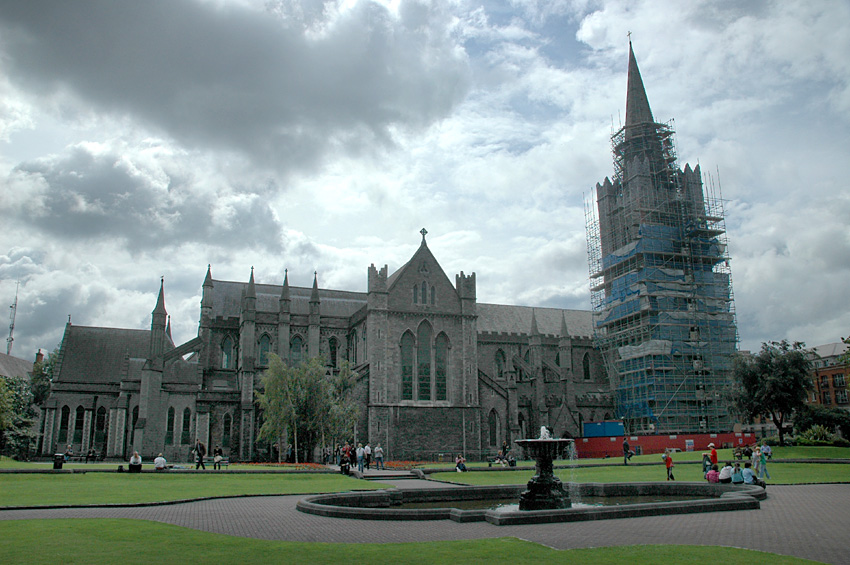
381 505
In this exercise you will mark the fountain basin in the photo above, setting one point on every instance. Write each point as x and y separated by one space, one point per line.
383 505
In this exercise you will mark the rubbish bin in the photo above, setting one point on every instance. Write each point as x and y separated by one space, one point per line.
58 459
345 468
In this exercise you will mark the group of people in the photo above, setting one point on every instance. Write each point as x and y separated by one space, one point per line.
753 472
159 463
362 456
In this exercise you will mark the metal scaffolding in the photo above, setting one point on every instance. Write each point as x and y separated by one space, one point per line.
661 287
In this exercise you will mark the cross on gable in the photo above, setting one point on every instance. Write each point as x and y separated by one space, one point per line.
423 231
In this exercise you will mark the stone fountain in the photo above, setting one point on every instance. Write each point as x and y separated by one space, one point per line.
544 491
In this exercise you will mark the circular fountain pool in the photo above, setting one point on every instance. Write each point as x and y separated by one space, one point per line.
388 504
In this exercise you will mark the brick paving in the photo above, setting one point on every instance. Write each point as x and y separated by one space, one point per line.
808 521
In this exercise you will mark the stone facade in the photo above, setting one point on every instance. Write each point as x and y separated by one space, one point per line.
437 372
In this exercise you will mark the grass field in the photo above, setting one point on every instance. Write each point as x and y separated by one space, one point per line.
132 541
110 488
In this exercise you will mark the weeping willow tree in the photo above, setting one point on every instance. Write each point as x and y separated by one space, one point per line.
305 404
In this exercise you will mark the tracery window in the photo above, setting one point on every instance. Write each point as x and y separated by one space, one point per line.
228 424
333 351
227 353
185 436
64 420
100 426
493 428
441 363
423 362
263 348
78 424
295 354
169 427
407 342
585 366
500 364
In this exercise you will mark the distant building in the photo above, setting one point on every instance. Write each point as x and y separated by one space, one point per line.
660 281
13 367
830 372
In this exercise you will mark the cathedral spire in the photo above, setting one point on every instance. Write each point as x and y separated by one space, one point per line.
160 300
637 104
284 293
314 296
534 330
208 278
252 291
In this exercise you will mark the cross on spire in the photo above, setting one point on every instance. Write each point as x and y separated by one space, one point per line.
423 231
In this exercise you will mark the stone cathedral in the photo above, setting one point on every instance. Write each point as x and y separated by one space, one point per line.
437 371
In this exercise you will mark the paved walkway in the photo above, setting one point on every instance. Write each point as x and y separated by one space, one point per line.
809 521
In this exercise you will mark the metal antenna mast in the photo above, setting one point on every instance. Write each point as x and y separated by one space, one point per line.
14 308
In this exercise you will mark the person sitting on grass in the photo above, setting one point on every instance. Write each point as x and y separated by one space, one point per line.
460 463
713 476
136 463
159 463
750 477
726 473
737 475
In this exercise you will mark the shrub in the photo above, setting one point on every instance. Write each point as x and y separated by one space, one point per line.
817 433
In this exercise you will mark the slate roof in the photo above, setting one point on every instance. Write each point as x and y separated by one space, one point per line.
830 349
14 367
227 299
502 318
96 355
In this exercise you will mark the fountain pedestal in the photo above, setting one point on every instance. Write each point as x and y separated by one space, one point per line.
545 490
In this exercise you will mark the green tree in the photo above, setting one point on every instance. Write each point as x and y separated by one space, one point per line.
816 415
17 436
42 377
307 404
774 383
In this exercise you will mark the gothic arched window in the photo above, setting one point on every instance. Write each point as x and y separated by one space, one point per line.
433 296
415 293
225 434
227 353
169 427
100 426
79 420
407 342
493 428
424 293
441 365
64 420
585 366
423 362
500 364
185 435
295 356
263 348
333 351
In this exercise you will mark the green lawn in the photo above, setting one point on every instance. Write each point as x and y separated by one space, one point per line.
105 488
131 541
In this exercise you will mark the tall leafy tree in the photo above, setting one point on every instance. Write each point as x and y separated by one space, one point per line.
42 376
305 404
17 417
773 383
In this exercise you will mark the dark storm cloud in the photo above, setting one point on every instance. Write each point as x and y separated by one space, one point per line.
86 194
282 90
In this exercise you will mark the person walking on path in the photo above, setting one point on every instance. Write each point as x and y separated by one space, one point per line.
627 451
367 455
200 452
379 457
763 474
668 463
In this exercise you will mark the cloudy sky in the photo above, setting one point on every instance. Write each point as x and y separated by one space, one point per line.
148 139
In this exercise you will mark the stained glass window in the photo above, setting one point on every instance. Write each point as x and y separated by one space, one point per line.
407 366
187 425
441 361
263 348
423 362
169 427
